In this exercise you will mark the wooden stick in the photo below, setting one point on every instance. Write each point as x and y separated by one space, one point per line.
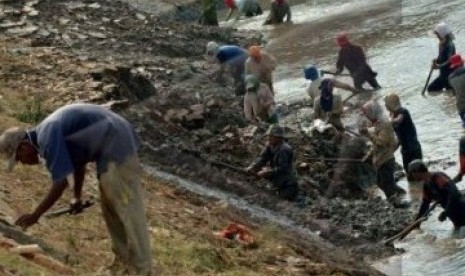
22 238
26 249
332 73
427 82
402 234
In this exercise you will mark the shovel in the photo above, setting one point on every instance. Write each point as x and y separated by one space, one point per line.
402 234
427 82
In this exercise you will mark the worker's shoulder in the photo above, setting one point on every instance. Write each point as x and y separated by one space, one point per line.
285 147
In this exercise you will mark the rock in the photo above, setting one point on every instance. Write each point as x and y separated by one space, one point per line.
67 38
97 35
229 135
113 105
214 103
248 132
81 36
22 31
176 114
11 24
140 16
81 16
63 21
94 6
27 9
109 88
297 262
198 109
96 85
193 121
31 3
33 13
204 132
193 116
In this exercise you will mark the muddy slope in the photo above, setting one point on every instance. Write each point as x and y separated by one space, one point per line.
191 123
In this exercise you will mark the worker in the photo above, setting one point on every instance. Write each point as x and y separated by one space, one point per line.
209 16
279 9
247 7
405 130
68 139
384 143
231 56
446 50
353 58
276 164
461 172
457 82
258 101
261 64
313 90
328 107
438 187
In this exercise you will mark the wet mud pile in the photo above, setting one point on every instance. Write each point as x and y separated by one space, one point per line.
193 126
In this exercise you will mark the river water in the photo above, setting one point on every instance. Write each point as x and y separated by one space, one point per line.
399 43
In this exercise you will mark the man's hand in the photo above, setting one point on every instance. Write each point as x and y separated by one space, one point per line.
265 172
27 220
250 169
76 206
434 65
442 217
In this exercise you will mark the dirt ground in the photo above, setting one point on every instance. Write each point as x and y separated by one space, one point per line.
104 51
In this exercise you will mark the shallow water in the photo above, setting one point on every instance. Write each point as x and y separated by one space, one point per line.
399 44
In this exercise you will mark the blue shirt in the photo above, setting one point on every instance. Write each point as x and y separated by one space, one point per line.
77 134
231 54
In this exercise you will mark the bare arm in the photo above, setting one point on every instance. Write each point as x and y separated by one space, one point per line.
396 120
53 195
78 182
343 85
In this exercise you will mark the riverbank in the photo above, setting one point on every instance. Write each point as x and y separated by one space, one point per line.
106 52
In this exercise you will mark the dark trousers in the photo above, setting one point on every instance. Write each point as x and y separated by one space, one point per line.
456 213
441 82
368 77
288 192
238 75
385 179
410 154
257 11
462 117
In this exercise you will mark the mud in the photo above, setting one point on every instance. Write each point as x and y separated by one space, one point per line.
190 122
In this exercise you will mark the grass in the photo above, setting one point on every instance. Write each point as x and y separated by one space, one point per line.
15 263
32 112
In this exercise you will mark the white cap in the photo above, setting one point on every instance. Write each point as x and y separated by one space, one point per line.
9 142
212 48
442 29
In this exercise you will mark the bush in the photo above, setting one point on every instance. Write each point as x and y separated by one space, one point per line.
32 112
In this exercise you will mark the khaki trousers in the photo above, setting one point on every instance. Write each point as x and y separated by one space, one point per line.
123 210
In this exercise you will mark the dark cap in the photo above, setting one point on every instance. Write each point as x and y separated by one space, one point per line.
417 166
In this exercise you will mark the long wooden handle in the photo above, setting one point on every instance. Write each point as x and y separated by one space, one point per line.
333 73
427 81
402 234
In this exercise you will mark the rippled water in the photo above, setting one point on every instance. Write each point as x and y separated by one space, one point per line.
398 40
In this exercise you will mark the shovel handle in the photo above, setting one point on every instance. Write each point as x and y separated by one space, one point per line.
427 81
67 210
